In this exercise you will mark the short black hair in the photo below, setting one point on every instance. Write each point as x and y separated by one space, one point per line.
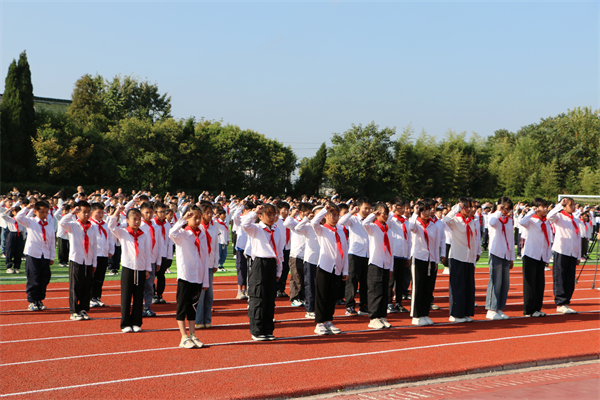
538 201
146 205
506 202
96 206
282 204
343 206
381 206
133 211
361 200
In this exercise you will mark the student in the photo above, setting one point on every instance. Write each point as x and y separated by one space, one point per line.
14 241
82 258
63 238
189 236
136 251
537 254
425 237
284 210
381 264
241 262
502 256
358 257
400 238
40 251
440 247
223 238
162 234
267 244
151 229
296 262
485 233
461 259
105 250
567 253
310 260
211 257
332 267
344 209
587 230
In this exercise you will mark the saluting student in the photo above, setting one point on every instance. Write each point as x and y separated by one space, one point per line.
151 229
211 257
14 241
296 262
400 229
311 260
105 249
162 235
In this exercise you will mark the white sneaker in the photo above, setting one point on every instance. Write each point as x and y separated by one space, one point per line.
187 342
136 329
504 316
309 315
259 338
565 310
429 321
10 271
446 271
321 329
420 321
493 315
537 314
196 341
546 268
457 320
127 329
239 295
76 317
93 303
469 319
296 303
376 324
84 315
385 323
332 328
99 303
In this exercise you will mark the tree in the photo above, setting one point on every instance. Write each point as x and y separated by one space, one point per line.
311 173
18 123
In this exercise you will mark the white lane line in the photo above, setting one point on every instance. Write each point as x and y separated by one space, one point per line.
305 360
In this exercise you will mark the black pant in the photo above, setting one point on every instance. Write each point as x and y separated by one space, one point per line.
286 270
241 265
14 250
310 286
132 286
262 289
159 288
398 280
234 238
534 283
563 273
38 275
115 261
377 281
462 289
188 294
102 265
325 297
585 242
80 287
423 275
485 237
297 279
448 246
357 275
63 251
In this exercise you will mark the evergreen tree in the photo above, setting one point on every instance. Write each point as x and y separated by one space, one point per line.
311 173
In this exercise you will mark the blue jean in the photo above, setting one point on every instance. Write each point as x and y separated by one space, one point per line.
149 288
4 238
222 254
204 310
497 291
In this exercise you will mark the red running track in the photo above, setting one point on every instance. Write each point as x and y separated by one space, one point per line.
45 355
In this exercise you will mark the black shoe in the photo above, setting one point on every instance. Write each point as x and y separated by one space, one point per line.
282 294
340 302
161 300
155 300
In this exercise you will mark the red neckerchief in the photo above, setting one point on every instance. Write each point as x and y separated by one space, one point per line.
162 225
152 233
386 239
135 235
43 224
433 219
570 216
338 240
100 227
270 232
17 228
208 238
402 219
467 221
224 224
424 225
86 238
503 222
544 229
196 233
346 232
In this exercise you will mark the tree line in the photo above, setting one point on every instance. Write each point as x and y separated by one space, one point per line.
120 132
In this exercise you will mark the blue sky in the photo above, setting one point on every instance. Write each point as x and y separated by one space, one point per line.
298 71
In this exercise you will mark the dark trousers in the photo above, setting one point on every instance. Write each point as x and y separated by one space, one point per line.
262 289
534 283
80 287
297 279
448 246
563 273
132 287
38 275
310 283
462 289
585 242
485 238
115 261
188 294
63 250
377 280
99 275
358 268
14 250
159 288
233 238
423 275
326 289
282 282
398 280
241 265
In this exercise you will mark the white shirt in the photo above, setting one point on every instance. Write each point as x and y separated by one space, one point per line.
242 236
105 242
164 238
566 240
463 248
77 252
536 246
223 231
9 222
358 239
156 247
129 259
36 246
191 265
287 233
330 259
311 242
441 247
502 242
261 240
425 249
378 253
212 260
401 243
297 241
